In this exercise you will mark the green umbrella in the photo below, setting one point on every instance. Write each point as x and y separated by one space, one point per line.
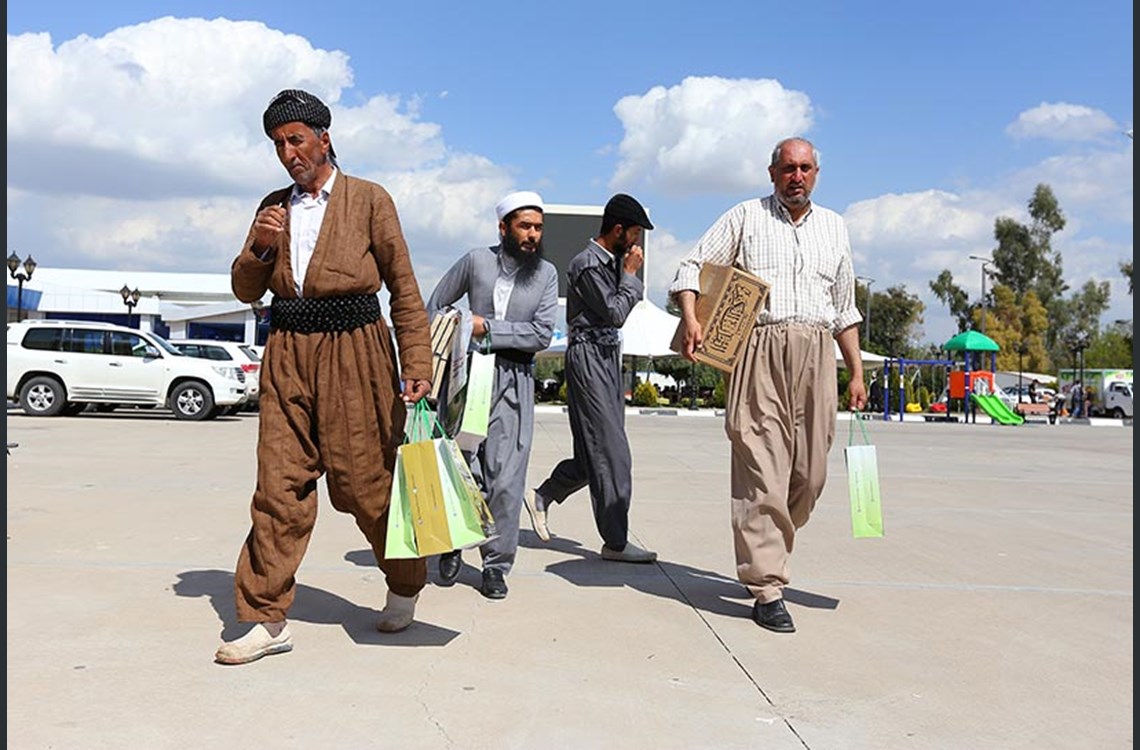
971 341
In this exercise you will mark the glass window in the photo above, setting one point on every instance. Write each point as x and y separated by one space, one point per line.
44 339
84 340
128 344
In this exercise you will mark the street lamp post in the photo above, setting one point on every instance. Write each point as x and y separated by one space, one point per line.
867 323
985 262
130 299
21 271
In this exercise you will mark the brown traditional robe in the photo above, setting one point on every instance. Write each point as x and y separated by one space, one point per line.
330 402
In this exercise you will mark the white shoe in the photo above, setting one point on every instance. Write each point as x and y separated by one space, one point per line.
398 613
632 554
537 516
258 642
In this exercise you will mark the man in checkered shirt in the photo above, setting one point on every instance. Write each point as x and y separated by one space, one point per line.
782 395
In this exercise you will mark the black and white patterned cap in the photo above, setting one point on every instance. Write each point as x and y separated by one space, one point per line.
295 105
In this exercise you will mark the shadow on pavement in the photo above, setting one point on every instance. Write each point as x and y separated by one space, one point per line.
701 589
311 605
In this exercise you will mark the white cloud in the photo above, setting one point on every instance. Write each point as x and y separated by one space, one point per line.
706 134
144 148
1063 122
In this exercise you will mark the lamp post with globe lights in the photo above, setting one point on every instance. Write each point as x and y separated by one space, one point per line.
130 299
21 271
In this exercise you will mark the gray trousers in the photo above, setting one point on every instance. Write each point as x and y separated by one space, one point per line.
500 462
601 457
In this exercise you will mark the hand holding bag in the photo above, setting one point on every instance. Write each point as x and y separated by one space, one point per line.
863 483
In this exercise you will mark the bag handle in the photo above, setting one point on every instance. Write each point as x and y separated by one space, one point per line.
856 416
423 424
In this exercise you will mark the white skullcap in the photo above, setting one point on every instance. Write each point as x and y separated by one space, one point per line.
514 201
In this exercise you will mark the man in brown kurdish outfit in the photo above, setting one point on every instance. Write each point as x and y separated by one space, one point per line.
331 398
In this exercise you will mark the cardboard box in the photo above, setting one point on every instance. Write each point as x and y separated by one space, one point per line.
727 307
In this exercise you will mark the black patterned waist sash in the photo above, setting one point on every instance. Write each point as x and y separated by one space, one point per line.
324 314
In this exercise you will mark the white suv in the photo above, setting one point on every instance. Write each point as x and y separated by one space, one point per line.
60 366
234 352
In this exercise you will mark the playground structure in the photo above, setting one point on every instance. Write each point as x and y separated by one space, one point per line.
967 381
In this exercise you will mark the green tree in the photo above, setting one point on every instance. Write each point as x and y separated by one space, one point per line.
1019 328
896 319
1111 348
954 297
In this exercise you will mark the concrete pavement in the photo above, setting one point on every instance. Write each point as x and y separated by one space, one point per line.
995 613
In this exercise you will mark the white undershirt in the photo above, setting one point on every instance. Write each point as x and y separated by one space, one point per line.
306 213
504 283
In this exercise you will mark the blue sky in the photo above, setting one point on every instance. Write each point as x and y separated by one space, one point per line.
134 137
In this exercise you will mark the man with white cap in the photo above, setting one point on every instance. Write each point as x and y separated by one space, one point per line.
512 293
602 288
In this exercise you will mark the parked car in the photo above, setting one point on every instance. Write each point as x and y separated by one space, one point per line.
61 366
1021 393
242 355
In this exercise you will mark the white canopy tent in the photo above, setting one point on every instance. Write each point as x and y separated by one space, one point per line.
649 330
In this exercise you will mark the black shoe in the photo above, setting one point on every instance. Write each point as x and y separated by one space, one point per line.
494 586
450 564
773 616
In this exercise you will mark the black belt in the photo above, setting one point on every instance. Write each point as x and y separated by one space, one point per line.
604 336
518 356
324 314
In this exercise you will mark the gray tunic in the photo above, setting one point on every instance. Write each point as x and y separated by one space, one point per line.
597 304
500 462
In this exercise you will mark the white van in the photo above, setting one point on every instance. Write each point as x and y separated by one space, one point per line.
60 366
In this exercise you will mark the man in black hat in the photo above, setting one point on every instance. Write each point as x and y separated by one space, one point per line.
602 288
332 400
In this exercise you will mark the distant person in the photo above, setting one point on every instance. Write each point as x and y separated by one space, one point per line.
1076 400
601 289
331 396
513 296
1033 392
782 396
876 402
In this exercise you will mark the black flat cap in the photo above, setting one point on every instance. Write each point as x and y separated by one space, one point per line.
295 105
625 210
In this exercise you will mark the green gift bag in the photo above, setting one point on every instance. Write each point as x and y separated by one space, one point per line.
477 407
863 483
400 540
469 519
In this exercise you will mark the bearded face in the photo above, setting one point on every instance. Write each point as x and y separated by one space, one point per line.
521 233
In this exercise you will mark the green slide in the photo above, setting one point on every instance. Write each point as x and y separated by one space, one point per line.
996 409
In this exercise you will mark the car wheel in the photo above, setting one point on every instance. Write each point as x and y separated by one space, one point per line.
1117 412
43 397
192 400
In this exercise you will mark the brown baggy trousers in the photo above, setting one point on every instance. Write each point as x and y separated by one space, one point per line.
330 405
780 420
